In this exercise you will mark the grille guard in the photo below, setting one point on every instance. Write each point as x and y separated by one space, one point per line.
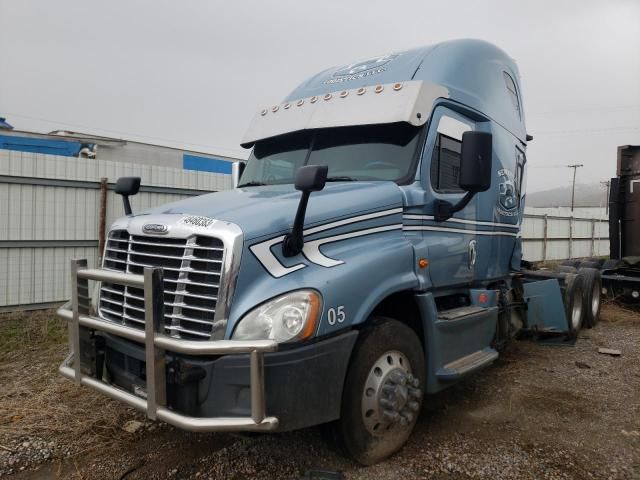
156 343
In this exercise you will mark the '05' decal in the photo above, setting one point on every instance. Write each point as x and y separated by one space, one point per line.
336 315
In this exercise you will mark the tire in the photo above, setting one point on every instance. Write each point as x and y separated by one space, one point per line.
592 292
363 432
570 263
597 261
611 264
566 269
573 303
588 264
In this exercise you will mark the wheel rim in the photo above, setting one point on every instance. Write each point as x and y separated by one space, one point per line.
392 396
576 312
595 301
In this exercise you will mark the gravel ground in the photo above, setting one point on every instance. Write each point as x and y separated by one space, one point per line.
540 412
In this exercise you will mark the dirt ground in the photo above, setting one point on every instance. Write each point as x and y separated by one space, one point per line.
540 412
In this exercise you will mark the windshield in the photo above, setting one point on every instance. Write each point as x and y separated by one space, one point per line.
370 152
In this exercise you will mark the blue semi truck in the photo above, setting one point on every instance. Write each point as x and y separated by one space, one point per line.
369 255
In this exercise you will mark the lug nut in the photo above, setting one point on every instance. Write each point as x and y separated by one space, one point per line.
389 389
388 404
408 416
398 378
415 393
391 416
413 406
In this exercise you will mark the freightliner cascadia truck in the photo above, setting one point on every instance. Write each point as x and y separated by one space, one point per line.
369 255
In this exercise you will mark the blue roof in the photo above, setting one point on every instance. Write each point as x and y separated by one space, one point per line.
472 71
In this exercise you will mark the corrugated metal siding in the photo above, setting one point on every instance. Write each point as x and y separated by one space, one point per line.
47 212
31 212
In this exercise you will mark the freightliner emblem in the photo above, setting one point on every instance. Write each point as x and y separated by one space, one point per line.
155 228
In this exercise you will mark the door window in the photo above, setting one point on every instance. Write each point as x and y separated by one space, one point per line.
445 161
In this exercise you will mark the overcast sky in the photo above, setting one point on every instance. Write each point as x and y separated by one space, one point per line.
192 73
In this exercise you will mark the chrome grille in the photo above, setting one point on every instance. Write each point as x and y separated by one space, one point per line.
192 269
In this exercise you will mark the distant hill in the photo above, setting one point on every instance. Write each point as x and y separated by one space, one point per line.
587 195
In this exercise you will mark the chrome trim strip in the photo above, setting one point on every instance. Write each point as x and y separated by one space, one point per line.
458 230
410 216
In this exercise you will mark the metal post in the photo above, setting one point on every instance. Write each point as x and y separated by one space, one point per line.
545 237
593 237
571 235
154 356
102 222
257 386
77 287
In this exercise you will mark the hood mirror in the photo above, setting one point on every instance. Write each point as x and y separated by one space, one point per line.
127 186
311 178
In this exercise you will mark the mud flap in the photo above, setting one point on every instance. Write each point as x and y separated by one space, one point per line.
545 308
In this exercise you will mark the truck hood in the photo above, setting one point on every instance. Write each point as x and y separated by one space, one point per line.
270 210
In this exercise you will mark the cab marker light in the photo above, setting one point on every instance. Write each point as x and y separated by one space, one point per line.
328 96
300 102
379 88
343 94
361 91
264 112
275 108
397 86
287 105
423 263
314 99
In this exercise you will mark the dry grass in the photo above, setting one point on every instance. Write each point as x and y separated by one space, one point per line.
36 402
22 332
618 313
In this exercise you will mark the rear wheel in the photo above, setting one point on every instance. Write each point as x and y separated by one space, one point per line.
570 263
383 391
592 289
566 269
612 264
574 304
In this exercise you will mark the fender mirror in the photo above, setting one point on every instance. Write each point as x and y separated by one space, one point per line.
311 178
127 186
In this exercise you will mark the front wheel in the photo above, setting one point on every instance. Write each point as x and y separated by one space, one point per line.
383 391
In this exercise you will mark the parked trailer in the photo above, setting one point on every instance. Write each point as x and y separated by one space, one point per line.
268 308
621 272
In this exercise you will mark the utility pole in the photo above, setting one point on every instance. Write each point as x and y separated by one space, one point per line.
606 184
575 166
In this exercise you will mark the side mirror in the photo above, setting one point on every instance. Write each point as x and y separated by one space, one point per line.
475 172
127 186
236 172
475 161
311 178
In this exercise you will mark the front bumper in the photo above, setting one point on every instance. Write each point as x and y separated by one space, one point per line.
222 385
156 344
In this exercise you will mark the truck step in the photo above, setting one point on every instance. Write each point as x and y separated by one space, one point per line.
470 363
456 313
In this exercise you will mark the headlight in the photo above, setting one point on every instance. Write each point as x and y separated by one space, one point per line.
289 317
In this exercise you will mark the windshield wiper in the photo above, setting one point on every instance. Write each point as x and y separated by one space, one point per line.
252 184
341 179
